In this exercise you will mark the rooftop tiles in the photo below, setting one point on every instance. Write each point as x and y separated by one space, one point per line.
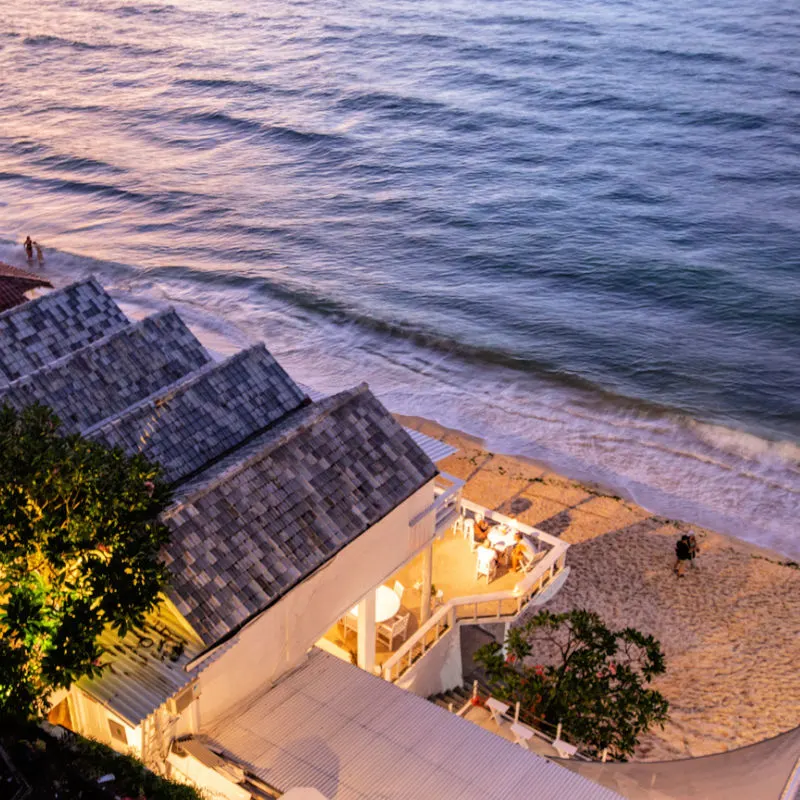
254 525
111 374
42 330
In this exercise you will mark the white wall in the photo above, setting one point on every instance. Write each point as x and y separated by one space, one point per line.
279 638
187 769
439 670
90 719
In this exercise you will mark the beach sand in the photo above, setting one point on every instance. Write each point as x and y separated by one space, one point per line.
730 629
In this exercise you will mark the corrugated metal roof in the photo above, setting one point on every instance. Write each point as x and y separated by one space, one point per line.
144 668
433 448
353 736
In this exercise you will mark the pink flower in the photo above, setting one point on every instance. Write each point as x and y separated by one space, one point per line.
150 486
510 658
612 668
539 669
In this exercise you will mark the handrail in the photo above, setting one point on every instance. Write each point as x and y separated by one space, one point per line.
448 615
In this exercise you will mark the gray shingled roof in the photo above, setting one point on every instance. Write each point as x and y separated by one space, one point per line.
108 376
49 327
251 527
202 417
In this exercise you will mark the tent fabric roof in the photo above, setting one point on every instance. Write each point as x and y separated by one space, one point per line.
353 736
258 523
49 327
206 414
111 374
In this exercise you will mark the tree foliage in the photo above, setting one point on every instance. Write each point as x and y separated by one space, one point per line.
79 543
595 684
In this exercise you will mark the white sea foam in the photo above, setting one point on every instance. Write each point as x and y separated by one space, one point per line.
730 480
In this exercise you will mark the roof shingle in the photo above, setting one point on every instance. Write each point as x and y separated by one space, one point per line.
106 377
49 327
259 522
204 415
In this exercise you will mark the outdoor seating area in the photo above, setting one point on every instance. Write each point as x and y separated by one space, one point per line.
462 565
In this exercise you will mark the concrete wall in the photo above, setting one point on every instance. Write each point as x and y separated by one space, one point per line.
279 638
215 786
439 670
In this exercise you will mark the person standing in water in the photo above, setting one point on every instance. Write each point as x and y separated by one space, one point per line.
39 254
29 248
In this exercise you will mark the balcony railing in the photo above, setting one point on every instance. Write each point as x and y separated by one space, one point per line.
502 606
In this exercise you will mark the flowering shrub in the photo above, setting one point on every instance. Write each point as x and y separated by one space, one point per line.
79 544
597 688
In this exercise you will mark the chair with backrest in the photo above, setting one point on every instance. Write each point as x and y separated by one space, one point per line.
458 526
399 589
487 564
390 630
469 530
349 622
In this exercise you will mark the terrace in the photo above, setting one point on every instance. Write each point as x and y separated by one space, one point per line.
439 589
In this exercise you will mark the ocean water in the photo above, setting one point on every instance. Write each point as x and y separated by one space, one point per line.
573 229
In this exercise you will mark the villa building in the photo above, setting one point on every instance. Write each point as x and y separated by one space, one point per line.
322 571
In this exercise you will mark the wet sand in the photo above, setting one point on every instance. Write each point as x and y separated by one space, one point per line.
730 629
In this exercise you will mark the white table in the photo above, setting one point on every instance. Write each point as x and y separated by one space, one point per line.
501 537
387 604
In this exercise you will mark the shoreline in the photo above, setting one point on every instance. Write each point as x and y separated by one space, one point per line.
730 629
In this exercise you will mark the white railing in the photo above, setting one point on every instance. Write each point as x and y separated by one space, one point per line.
501 606
446 499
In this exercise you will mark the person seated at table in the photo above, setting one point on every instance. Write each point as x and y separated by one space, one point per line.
523 553
481 528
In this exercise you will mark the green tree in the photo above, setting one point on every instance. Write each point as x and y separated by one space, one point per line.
79 543
595 683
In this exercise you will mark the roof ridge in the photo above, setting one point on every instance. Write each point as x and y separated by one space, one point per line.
128 330
169 391
322 408
38 300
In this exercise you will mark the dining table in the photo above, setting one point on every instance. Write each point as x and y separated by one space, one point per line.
387 604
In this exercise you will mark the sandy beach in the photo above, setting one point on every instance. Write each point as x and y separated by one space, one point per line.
730 629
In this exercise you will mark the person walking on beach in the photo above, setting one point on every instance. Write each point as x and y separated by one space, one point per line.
39 253
681 555
693 548
29 248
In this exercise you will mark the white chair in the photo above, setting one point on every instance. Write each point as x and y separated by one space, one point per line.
487 564
522 734
458 525
399 589
389 631
469 531
564 749
438 599
497 709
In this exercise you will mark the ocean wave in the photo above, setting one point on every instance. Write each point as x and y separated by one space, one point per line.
44 40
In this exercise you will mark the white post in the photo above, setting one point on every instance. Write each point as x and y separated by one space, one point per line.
605 755
516 713
474 689
558 731
366 632
427 577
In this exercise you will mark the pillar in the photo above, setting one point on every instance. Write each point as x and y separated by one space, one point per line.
427 577
366 632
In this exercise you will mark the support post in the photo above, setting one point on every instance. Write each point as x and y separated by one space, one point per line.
427 577
366 632
558 730
516 713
